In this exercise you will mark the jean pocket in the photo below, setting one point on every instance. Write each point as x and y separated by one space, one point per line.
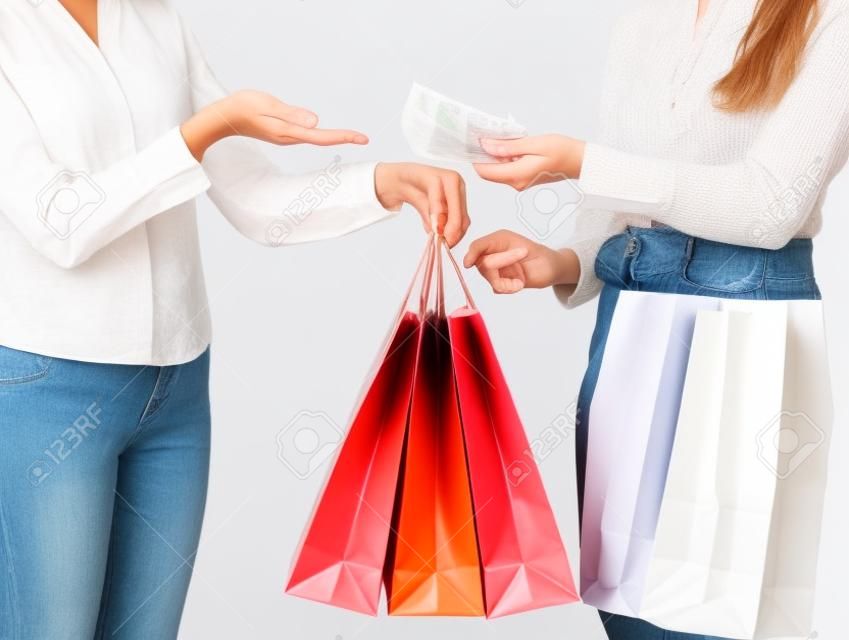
19 367
608 260
724 268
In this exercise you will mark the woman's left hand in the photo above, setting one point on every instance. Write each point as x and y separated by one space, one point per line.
439 195
527 162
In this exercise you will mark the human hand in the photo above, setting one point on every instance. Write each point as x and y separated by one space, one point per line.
511 262
262 116
527 162
439 195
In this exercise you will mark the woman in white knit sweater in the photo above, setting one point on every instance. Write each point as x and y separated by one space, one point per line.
723 124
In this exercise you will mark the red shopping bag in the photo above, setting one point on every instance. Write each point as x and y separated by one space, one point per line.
434 489
525 565
435 566
343 552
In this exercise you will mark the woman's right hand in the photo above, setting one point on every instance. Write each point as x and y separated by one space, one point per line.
262 116
511 262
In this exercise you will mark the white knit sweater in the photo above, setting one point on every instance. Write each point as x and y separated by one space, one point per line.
666 154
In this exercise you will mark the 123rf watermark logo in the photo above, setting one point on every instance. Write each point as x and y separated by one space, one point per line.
67 201
783 211
559 430
788 441
307 441
547 203
309 199
58 451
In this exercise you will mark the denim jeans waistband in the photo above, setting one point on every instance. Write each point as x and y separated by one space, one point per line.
666 260
794 260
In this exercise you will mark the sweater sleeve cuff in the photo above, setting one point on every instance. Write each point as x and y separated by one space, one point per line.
588 285
616 181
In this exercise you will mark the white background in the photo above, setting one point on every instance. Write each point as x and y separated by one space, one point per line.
297 329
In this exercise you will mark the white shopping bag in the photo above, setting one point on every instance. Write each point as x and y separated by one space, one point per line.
633 418
736 542
801 436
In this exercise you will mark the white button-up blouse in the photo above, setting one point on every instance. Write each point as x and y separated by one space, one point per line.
99 256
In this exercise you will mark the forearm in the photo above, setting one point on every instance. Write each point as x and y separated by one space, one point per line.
759 202
275 208
111 201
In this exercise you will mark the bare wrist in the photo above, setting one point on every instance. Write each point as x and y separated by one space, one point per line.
567 268
204 129
573 158
384 186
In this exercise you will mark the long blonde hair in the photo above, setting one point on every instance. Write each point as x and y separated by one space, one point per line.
769 55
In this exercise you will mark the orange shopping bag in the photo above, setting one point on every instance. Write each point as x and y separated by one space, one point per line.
434 567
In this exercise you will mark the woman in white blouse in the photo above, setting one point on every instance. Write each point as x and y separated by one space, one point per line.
107 109
723 124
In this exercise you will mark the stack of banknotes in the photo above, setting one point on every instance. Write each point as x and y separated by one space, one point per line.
439 128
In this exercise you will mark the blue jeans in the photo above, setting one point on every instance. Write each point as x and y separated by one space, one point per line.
103 477
663 260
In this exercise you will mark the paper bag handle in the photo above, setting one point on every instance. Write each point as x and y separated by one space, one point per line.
432 270
469 300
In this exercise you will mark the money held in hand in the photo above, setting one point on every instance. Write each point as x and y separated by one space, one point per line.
439 128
